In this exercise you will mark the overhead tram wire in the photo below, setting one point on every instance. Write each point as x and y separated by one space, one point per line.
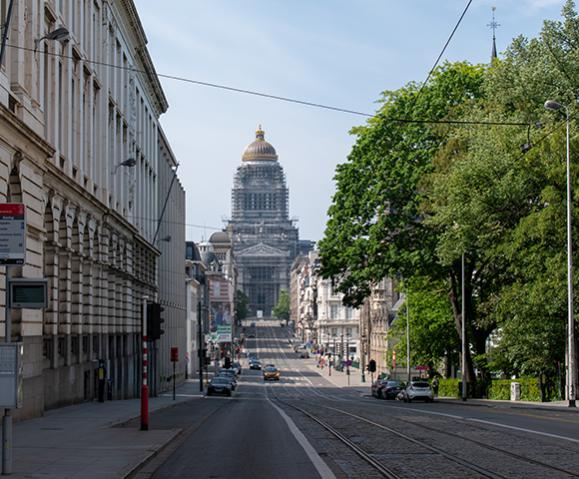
277 97
442 51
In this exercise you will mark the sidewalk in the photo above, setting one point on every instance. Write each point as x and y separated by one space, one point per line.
340 379
559 406
81 441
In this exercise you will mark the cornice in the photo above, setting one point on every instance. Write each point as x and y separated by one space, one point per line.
7 117
137 31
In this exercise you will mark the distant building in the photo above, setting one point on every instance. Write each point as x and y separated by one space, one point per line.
265 240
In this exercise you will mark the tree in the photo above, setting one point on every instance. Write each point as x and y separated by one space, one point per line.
413 198
282 308
377 226
432 332
241 303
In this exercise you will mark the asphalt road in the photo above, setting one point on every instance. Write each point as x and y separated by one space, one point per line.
246 436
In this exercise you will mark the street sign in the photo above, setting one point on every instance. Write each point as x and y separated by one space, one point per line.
12 233
29 293
174 354
11 375
224 333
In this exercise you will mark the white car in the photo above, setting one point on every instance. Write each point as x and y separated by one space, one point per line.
417 390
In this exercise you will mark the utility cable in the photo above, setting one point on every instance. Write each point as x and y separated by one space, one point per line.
277 97
442 51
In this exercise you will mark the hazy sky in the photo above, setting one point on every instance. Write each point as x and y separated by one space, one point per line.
336 52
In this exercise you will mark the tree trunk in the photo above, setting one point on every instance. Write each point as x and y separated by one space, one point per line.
455 302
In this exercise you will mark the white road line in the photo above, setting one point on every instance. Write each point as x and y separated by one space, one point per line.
323 470
490 423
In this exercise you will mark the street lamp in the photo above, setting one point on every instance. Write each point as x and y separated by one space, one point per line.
60 35
130 162
571 367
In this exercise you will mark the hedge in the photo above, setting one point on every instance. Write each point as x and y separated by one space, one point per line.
449 388
498 389
501 389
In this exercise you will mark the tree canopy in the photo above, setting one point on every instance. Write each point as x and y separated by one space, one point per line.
414 197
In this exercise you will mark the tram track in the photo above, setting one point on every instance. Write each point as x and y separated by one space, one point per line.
344 434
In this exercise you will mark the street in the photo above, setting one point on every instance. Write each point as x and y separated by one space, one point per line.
354 434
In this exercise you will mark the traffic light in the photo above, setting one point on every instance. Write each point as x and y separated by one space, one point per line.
372 366
154 321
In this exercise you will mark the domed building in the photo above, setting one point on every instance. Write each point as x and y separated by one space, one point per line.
264 239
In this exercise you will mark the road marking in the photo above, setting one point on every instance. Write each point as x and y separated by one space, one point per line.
491 423
556 436
323 470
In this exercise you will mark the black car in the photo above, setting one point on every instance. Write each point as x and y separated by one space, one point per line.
390 389
255 364
219 385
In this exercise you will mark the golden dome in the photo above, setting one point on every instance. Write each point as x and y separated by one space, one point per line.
259 150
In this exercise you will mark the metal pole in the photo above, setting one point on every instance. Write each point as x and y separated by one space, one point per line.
144 384
174 373
5 29
571 370
199 346
407 339
463 331
7 418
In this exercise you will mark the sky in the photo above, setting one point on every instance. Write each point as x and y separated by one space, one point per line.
342 53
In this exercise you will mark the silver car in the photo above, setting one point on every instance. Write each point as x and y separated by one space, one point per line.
417 390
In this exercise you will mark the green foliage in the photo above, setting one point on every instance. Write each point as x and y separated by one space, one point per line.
432 331
375 227
282 308
241 305
500 389
449 388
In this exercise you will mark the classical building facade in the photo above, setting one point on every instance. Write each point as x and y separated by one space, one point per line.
170 241
264 238
79 146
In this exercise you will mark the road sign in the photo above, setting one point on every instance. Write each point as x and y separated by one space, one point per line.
224 333
12 233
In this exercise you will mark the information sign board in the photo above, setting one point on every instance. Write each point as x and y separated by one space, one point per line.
12 233
10 375
29 293
224 333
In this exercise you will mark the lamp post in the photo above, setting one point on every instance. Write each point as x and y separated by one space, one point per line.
407 340
571 366
463 330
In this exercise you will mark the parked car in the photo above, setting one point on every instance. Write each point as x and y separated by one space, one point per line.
417 390
236 367
228 373
389 389
271 372
219 385
255 364
377 386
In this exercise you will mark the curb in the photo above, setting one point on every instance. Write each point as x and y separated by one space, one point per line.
134 469
510 406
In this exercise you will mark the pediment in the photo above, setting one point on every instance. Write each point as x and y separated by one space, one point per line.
262 249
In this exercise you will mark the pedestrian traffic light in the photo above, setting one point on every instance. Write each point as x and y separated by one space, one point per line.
154 321
372 366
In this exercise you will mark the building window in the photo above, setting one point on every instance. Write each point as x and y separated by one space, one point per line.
334 311
348 313
334 332
349 332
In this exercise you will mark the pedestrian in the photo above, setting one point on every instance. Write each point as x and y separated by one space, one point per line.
435 386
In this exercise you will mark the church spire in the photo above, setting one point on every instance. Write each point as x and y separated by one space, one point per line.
494 25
